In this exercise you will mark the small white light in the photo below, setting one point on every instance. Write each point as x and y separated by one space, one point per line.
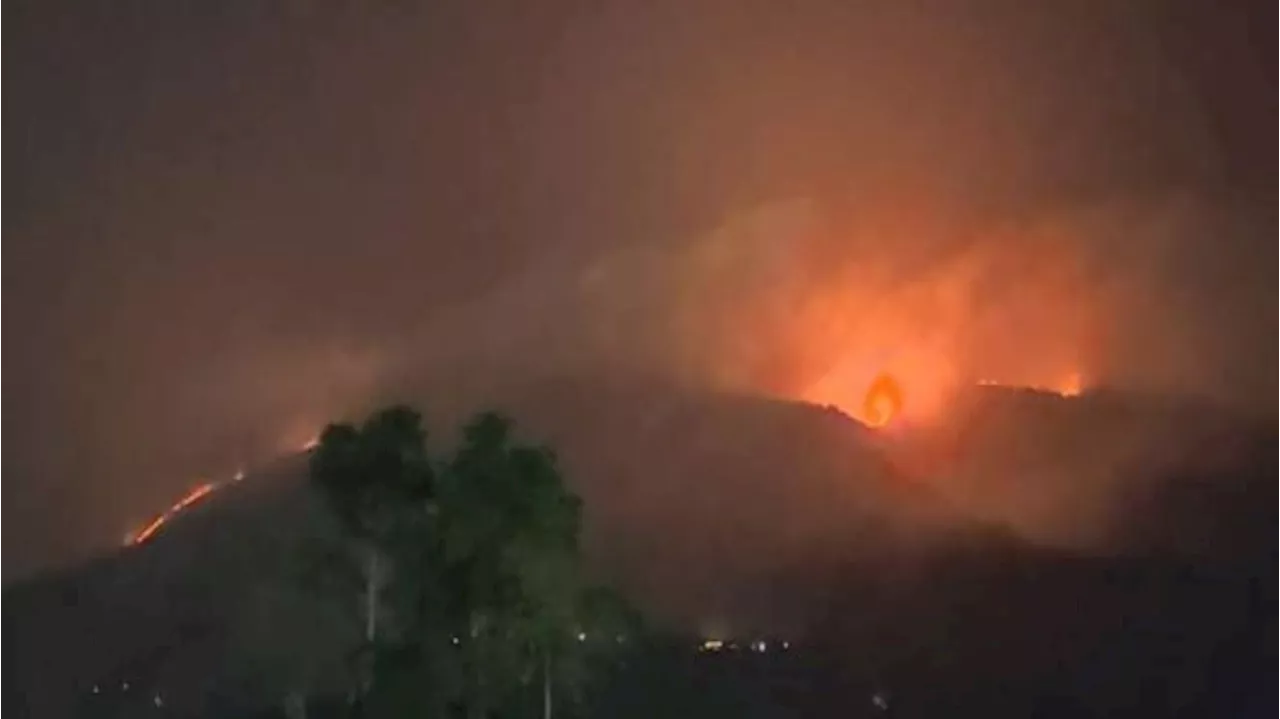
96 689
786 645
124 686
456 641
239 476
582 636
157 701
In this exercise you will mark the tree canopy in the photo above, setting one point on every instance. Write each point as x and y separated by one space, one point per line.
473 593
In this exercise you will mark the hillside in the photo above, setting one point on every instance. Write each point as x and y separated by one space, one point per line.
744 515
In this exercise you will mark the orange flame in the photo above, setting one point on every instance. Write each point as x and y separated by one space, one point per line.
190 498
145 533
882 402
1071 385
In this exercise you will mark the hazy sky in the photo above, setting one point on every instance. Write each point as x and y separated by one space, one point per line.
228 221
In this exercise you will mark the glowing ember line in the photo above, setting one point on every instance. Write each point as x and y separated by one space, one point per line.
186 501
194 496
148 530
1071 386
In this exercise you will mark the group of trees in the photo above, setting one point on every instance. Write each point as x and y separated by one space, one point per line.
458 578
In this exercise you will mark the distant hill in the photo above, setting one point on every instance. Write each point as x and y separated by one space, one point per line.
1107 471
735 514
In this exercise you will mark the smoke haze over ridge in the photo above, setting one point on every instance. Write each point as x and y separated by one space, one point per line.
228 227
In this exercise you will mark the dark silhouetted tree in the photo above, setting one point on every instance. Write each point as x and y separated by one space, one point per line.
474 600
375 478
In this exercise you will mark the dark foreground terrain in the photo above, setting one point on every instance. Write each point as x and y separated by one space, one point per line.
758 542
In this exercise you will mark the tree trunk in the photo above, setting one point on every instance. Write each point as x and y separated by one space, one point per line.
476 706
370 621
546 685
295 705
371 598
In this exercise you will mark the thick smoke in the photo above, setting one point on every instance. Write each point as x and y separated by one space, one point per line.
813 300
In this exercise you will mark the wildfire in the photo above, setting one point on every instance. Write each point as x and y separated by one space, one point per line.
1071 385
190 498
883 401
195 495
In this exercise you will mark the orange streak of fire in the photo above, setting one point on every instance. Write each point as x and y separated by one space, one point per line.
148 530
187 500
1070 386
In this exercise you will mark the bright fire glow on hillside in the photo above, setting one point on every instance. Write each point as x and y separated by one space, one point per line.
1071 385
931 302
186 501
883 401
195 495
885 398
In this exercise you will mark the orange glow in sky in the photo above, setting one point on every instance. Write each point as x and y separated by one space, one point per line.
929 300
892 337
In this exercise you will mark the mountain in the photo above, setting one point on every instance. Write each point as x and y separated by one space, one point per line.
898 559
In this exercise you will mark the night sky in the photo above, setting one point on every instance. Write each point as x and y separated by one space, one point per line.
230 222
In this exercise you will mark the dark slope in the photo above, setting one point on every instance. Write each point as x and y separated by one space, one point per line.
690 499
1176 618
1006 631
733 514
1106 469
715 493
153 615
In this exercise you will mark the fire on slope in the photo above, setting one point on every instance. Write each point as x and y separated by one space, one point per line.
884 401
190 498
892 310
1070 385
200 492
